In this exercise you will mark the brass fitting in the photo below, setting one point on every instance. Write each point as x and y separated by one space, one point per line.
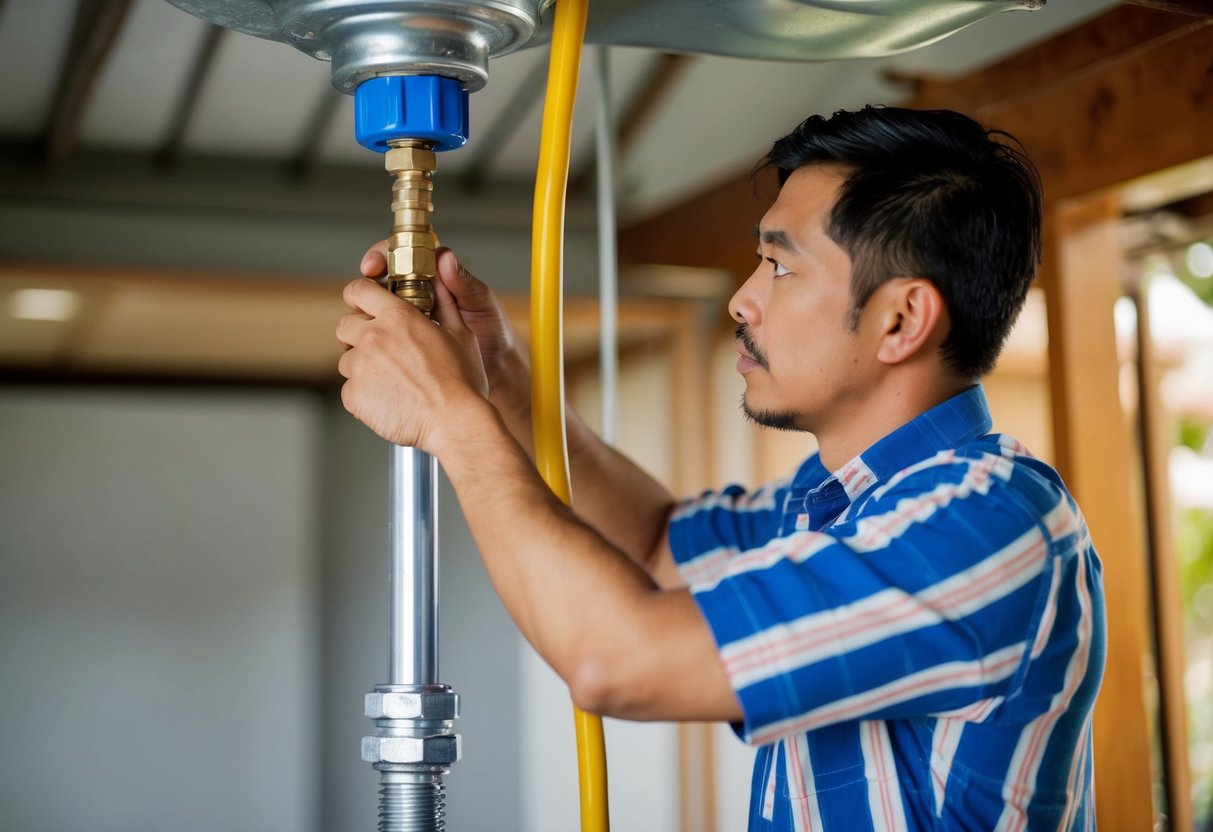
412 261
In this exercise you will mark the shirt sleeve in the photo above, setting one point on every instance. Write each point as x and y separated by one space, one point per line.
718 525
924 603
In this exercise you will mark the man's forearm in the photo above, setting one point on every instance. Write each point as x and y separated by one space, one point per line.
558 578
611 493
624 647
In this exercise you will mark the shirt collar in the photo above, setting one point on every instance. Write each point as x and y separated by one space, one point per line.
950 424
960 419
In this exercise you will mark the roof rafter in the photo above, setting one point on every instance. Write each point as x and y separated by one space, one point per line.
1197 8
94 32
170 152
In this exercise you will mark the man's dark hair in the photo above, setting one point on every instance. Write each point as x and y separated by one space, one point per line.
932 194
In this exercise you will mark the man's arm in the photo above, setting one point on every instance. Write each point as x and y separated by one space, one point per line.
624 647
611 493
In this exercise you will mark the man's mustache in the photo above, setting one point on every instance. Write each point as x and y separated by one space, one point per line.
747 341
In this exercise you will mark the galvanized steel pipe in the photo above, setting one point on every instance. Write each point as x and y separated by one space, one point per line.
413 568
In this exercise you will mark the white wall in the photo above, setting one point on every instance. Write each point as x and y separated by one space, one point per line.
157 612
192 605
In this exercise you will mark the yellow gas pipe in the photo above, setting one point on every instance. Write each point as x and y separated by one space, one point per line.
547 339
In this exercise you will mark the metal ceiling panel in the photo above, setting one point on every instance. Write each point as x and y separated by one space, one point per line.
34 35
786 30
993 39
135 96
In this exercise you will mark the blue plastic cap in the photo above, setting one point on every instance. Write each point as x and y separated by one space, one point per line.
428 107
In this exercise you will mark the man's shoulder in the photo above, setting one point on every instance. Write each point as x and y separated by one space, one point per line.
992 466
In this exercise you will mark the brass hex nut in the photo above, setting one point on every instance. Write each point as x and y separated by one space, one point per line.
422 705
412 260
422 239
443 749
410 158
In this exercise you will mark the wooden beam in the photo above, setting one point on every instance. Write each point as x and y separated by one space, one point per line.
1194 207
1197 8
1114 36
648 100
94 32
1134 117
714 230
170 152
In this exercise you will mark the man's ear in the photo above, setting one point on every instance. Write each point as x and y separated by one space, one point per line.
914 319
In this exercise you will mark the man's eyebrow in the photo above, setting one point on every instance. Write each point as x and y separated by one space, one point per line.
775 238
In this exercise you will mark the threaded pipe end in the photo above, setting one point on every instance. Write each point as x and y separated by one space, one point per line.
411 803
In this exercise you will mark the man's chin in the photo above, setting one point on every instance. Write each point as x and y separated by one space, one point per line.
777 419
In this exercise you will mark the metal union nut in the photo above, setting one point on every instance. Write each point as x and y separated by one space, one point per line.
424 705
410 158
412 260
421 239
443 749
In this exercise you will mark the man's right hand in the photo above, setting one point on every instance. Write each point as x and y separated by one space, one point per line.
626 505
505 362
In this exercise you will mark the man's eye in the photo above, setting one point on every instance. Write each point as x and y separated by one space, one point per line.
779 269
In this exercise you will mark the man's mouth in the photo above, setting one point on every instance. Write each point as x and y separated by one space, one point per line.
749 354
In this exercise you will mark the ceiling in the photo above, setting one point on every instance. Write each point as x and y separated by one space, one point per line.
174 145
263 100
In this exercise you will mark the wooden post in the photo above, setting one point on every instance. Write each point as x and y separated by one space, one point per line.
1095 456
692 463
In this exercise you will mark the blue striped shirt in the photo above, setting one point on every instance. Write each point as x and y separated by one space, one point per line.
916 639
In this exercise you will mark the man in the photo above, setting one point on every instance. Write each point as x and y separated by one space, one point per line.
910 628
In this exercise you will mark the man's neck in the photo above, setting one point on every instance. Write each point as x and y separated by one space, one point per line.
892 406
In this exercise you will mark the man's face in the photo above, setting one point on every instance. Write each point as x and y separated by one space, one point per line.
803 364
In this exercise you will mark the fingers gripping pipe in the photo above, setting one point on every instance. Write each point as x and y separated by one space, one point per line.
414 744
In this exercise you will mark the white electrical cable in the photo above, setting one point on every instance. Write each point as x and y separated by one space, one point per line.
608 261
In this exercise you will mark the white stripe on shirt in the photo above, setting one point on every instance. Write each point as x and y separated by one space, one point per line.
945 740
761 500
987 670
885 614
802 789
880 770
878 531
1020 783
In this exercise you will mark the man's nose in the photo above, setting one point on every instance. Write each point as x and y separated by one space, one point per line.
743 306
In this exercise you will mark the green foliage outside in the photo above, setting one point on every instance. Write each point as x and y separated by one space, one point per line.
1194 549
